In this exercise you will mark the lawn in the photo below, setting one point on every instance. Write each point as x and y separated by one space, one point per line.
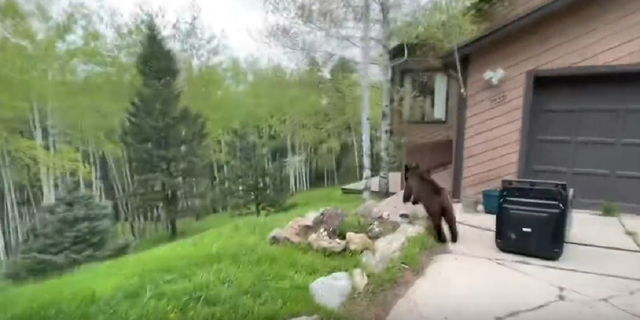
227 272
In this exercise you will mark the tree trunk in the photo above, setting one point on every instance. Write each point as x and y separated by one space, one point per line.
51 172
12 198
366 121
385 121
36 127
80 170
355 152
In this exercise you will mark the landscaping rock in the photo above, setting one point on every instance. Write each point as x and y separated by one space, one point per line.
331 291
321 241
279 235
369 210
358 242
410 230
331 219
389 247
314 317
299 229
381 228
359 279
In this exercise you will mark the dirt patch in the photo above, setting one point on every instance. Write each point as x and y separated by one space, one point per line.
376 303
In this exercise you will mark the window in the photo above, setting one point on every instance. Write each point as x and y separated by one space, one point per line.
424 97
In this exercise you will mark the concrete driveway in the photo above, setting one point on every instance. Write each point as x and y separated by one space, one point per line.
598 276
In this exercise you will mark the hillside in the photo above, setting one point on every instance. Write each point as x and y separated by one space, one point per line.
227 272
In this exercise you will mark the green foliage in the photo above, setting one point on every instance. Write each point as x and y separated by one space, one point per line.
439 26
165 141
610 209
258 177
229 272
74 230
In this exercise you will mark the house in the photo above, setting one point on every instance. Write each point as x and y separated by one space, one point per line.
567 107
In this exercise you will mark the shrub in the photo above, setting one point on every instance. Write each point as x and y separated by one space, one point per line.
74 230
609 209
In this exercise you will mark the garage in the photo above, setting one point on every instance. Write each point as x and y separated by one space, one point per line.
585 129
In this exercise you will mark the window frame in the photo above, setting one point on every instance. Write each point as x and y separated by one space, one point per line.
402 75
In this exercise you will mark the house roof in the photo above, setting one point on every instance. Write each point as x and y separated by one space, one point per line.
500 31
519 23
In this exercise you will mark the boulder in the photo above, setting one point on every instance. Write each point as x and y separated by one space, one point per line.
332 290
389 247
410 230
321 241
381 228
359 279
299 229
358 242
369 210
279 235
331 219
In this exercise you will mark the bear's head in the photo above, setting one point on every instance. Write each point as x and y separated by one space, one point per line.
419 178
413 170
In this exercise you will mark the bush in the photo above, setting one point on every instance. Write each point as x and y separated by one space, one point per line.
76 229
609 209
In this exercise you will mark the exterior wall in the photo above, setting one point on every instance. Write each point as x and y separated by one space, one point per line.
590 32
426 144
419 133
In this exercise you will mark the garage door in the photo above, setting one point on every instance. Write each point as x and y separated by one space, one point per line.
586 131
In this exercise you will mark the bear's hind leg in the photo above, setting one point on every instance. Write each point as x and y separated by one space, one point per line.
437 228
450 218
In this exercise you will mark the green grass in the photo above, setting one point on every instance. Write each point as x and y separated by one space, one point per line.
227 272
609 209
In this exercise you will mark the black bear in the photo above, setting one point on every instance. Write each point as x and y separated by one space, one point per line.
421 188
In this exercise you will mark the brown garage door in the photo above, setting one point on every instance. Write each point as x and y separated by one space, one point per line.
586 130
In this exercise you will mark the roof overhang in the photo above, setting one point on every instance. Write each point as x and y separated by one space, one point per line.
513 26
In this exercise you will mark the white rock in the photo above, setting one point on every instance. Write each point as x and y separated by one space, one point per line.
410 230
360 279
331 291
480 208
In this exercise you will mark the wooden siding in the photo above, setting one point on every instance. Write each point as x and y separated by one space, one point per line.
590 32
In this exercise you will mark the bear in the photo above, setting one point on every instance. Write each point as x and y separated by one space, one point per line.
420 188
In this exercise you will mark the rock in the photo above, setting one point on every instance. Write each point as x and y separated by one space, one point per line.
299 229
331 220
410 230
320 241
358 241
359 279
279 235
381 228
480 208
369 210
389 247
331 291
368 259
314 317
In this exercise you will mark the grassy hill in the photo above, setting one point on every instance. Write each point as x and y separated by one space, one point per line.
227 272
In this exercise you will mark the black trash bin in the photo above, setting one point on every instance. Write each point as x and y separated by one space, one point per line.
533 218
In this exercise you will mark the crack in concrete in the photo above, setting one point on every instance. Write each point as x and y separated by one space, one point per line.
551 267
561 297
630 233
588 245
608 301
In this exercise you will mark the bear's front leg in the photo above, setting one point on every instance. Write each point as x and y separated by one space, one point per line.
407 196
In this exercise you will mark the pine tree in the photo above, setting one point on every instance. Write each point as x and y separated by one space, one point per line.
75 229
153 131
